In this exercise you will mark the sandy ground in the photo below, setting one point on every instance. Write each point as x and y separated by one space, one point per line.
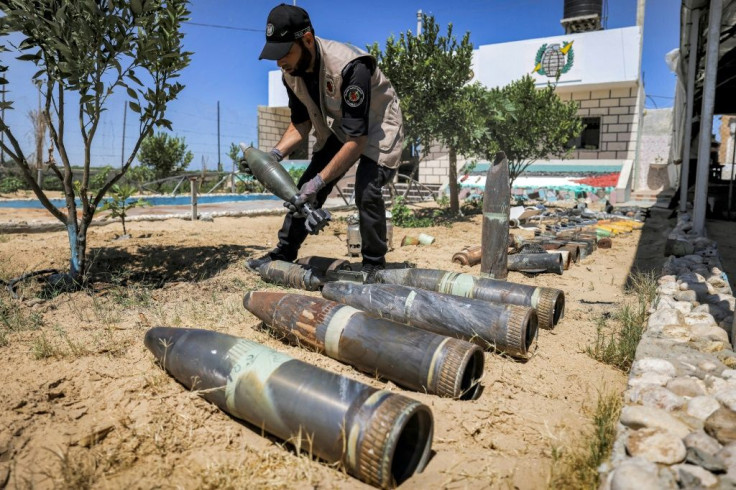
84 404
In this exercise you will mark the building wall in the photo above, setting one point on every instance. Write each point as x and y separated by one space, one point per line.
725 151
272 122
618 110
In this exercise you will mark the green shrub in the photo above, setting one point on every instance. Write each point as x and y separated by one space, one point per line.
11 184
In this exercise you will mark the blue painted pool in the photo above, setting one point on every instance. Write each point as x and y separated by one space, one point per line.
576 169
183 200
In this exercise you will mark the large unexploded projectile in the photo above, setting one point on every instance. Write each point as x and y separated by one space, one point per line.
496 205
549 303
276 179
414 358
381 437
322 265
507 328
535 262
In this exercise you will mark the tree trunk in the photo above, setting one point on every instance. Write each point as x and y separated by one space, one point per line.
454 201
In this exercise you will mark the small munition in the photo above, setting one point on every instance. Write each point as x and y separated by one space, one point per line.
469 256
549 303
380 437
413 358
511 329
290 275
565 257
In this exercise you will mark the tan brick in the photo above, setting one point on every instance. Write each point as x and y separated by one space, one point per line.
587 154
600 94
609 119
587 104
628 101
618 128
624 155
606 155
623 136
620 92
616 146
619 110
581 96
609 136
610 103
599 111
627 118
583 112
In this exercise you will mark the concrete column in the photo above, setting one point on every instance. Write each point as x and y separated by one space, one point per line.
706 115
687 137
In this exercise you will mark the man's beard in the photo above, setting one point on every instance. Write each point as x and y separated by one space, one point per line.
305 59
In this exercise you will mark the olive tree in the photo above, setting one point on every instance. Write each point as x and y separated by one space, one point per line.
85 50
540 124
430 73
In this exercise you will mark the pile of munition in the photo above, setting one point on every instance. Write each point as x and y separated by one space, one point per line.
567 239
393 329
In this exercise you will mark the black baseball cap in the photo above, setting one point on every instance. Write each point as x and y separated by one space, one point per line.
286 24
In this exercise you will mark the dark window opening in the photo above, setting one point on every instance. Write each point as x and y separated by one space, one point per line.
590 137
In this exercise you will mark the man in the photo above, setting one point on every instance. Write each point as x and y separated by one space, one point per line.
338 91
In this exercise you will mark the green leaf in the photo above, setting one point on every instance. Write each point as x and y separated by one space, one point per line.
134 107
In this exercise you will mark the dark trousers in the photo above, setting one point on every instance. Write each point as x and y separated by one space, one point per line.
369 180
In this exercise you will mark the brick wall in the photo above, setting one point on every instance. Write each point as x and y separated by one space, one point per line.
618 110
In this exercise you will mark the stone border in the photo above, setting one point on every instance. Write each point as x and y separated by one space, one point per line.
678 424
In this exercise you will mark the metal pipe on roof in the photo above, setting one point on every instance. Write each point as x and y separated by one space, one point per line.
706 115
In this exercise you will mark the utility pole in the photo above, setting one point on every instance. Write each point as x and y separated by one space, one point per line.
122 150
219 163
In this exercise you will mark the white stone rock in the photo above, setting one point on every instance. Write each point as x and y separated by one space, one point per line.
666 279
695 476
649 379
676 333
686 296
716 384
656 396
637 417
689 386
666 316
700 318
709 332
653 365
717 281
635 473
702 441
669 288
690 278
701 407
707 366
727 397
728 373
656 445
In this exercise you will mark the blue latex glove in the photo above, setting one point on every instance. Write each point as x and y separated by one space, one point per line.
307 194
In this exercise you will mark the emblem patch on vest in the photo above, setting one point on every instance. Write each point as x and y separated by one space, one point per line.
330 87
353 96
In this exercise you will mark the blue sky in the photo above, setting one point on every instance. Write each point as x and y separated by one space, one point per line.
226 37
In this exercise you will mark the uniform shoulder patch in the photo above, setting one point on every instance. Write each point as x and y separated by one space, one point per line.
330 86
353 96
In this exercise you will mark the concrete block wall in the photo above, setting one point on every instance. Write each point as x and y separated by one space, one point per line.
618 109
272 122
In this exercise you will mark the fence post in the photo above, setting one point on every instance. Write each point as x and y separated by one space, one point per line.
194 184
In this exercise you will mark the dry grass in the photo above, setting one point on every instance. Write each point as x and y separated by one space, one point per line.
577 467
616 344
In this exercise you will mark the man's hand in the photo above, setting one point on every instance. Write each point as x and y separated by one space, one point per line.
275 154
307 194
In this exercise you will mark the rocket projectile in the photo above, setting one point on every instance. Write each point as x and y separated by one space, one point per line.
549 303
413 358
511 329
276 179
381 437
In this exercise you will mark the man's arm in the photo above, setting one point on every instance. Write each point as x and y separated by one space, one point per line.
344 158
293 136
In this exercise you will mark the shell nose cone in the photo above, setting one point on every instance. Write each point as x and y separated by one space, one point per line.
160 339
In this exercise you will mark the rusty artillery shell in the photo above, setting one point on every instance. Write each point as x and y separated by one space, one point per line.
535 263
414 358
605 242
291 275
496 207
549 303
573 250
323 264
469 256
565 257
511 329
381 437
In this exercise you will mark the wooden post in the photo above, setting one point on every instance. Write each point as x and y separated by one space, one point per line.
194 184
